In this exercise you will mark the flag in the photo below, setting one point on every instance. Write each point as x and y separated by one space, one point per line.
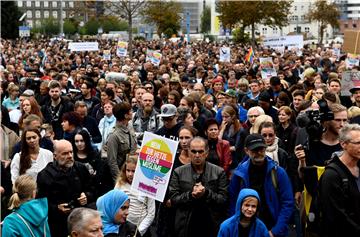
250 56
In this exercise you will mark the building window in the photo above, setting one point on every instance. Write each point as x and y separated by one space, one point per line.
303 17
264 31
354 25
295 29
37 3
71 4
63 14
63 4
28 3
37 14
46 4
54 4
46 14
30 23
275 30
29 14
346 25
20 3
307 29
55 14
295 8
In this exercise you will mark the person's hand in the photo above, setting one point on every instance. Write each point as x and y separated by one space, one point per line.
271 234
223 124
82 199
2 190
168 203
299 152
198 190
297 198
63 207
232 148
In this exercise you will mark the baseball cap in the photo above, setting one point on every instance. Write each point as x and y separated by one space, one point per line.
230 92
167 110
355 88
254 141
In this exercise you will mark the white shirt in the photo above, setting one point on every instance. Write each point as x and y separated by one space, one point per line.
44 157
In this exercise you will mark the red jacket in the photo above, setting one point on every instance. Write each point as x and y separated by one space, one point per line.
223 151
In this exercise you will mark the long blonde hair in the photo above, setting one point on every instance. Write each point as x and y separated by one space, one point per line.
258 121
122 179
23 190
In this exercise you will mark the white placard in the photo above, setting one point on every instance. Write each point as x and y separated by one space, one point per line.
83 46
153 169
225 54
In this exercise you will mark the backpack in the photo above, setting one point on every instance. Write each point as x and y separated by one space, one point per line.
312 177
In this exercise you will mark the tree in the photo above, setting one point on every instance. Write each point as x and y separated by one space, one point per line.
92 26
127 9
50 26
326 14
205 24
112 23
10 15
70 26
250 13
165 15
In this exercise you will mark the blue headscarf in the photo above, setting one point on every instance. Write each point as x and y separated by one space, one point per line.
108 205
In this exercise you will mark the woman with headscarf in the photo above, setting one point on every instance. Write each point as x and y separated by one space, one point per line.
114 209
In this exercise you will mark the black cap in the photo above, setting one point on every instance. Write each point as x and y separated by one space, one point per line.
254 141
264 96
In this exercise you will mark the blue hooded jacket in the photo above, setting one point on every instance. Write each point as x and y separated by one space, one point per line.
280 201
108 205
230 227
35 213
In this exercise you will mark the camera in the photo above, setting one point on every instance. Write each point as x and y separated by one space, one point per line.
312 120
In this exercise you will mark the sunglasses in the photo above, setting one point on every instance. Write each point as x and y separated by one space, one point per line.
197 151
167 118
268 135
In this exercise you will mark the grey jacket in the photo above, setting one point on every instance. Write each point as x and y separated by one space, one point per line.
121 141
215 198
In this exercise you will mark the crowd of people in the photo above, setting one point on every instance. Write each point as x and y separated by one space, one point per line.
258 155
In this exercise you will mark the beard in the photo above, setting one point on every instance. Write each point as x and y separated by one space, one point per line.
148 109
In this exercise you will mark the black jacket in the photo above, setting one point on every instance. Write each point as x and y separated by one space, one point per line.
55 120
92 126
59 187
340 202
215 198
127 229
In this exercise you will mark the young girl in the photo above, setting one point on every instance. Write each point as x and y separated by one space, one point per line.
142 209
30 215
245 223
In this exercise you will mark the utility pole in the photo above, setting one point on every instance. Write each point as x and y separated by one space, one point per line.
61 19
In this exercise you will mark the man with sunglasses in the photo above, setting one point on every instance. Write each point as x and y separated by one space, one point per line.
262 173
171 127
198 193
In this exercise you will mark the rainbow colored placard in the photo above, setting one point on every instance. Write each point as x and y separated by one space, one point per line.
152 173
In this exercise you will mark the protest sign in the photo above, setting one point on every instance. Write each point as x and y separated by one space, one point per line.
107 55
351 60
279 43
267 68
121 49
351 42
83 46
225 54
153 169
349 80
153 56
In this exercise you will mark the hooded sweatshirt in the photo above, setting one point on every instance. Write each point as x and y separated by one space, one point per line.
230 227
35 213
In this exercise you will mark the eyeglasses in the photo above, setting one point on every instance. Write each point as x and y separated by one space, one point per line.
148 88
167 118
197 151
270 135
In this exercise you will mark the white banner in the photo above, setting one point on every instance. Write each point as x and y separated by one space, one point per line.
225 54
291 41
153 169
83 46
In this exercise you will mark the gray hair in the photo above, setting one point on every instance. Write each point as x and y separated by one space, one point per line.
258 108
79 217
344 135
200 139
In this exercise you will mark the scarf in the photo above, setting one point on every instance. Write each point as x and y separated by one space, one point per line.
272 150
108 205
